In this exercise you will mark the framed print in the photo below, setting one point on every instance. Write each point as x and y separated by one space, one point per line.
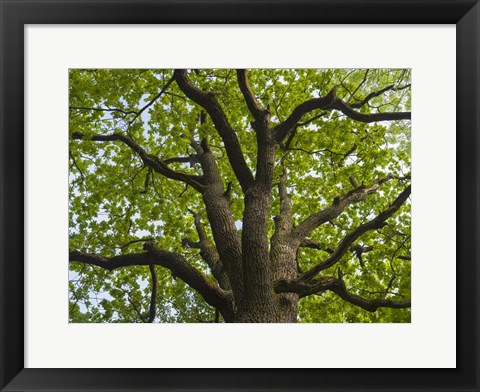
231 206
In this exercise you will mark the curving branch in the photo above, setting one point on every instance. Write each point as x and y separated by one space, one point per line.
249 95
281 130
376 223
176 263
82 176
372 117
152 101
339 204
149 160
209 102
337 286
153 300
368 304
331 101
374 94
352 95
137 310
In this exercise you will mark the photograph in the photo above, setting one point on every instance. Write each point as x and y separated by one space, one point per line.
217 196
239 196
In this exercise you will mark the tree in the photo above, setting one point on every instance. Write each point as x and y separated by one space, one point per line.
227 195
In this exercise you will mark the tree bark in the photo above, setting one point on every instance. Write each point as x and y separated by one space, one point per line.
259 303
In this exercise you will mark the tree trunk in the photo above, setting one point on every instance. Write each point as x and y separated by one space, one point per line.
262 304
259 302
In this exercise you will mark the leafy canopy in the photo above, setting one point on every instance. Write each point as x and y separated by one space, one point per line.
116 200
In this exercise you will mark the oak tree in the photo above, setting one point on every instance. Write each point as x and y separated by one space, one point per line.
217 195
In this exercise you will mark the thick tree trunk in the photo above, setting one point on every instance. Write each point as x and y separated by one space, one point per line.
259 302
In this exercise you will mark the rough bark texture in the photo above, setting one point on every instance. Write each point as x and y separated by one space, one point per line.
259 303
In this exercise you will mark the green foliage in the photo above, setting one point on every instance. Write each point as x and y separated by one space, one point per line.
115 199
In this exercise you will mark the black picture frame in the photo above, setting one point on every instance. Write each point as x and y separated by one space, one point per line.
15 14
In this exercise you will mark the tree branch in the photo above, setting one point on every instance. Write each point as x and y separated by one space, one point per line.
372 117
127 112
153 100
208 253
368 304
376 94
176 263
189 159
375 223
308 243
134 242
141 316
337 286
153 299
209 102
220 216
359 250
249 95
281 130
76 165
330 101
96 109
352 95
283 222
339 204
149 160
